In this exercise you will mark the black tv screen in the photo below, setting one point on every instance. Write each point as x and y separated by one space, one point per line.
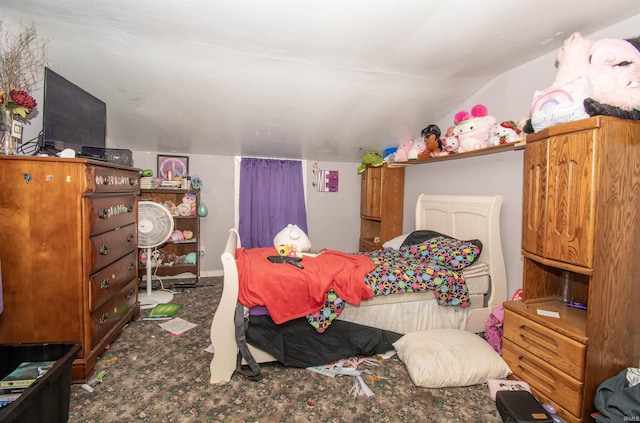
72 117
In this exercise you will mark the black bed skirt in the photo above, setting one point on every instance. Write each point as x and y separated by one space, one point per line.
297 344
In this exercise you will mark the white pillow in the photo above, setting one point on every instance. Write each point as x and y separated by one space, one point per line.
442 358
396 242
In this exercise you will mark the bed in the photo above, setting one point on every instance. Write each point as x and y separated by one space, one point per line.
461 217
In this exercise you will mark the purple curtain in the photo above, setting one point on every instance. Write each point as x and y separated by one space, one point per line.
271 197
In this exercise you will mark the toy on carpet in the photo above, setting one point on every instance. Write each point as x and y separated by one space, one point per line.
473 128
431 136
599 77
371 158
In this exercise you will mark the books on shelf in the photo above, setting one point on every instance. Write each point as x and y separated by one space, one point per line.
26 373
163 311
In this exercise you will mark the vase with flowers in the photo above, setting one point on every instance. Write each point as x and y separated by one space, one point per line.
22 60
17 104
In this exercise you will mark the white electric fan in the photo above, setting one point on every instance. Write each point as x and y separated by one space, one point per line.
155 226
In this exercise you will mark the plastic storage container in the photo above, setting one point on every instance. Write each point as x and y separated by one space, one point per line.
47 400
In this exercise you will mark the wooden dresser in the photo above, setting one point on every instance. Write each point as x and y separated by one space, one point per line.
68 253
381 205
581 219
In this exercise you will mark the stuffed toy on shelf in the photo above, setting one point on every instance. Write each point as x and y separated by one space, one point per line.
600 77
473 128
433 143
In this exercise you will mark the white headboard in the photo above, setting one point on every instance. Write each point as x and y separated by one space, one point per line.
469 217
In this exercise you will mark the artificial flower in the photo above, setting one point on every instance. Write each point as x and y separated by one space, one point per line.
18 102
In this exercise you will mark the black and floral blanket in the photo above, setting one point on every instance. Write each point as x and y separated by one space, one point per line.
435 264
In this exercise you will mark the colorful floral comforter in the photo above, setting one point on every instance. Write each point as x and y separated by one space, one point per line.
435 264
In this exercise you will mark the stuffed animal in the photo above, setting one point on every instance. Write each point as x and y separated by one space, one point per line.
450 141
614 74
417 149
292 235
473 128
164 258
402 153
288 251
190 200
494 138
371 158
599 77
508 132
431 136
177 236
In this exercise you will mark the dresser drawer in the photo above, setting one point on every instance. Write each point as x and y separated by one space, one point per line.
105 179
542 376
562 352
110 246
111 279
107 213
106 317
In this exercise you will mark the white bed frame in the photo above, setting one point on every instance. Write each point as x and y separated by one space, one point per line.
462 217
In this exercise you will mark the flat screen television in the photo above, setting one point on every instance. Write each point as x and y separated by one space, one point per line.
72 117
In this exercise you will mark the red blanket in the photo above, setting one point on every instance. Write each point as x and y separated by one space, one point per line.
289 292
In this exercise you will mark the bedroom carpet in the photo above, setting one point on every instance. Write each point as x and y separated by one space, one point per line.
154 376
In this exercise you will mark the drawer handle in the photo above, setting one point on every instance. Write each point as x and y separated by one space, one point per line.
130 294
131 237
131 208
538 374
131 266
105 284
103 319
104 249
537 338
104 214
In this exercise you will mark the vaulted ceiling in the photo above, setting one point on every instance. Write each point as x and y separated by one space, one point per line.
321 80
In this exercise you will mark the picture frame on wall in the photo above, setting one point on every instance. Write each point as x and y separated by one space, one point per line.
172 166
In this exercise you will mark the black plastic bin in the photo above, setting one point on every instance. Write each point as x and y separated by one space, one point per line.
47 400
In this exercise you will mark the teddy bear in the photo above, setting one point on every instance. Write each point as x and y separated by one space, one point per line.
417 149
473 128
431 136
508 132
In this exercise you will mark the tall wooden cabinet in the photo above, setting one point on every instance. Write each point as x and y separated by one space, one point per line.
181 248
581 221
67 253
381 203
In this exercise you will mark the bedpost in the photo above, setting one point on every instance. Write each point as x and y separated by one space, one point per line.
223 335
223 330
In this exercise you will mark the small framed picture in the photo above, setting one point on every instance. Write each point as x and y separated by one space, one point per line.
171 166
